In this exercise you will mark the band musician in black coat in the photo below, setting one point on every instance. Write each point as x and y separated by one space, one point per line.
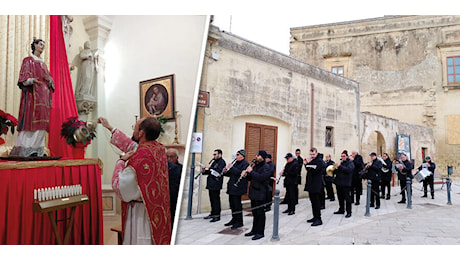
429 180
357 185
374 170
233 171
314 183
387 174
404 169
290 181
214 183
329 180
343 181
258 177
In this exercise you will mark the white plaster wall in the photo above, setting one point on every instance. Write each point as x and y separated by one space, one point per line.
141 48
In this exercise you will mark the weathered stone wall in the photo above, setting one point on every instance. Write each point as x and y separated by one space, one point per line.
388 128
399 62
249 83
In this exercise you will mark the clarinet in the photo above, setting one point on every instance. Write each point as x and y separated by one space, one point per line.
225 168
204 169
241 176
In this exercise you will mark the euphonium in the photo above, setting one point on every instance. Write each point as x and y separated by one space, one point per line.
330 169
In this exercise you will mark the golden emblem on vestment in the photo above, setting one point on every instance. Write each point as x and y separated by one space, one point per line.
146 166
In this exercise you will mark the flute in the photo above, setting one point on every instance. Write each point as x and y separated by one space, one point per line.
204 169
242 175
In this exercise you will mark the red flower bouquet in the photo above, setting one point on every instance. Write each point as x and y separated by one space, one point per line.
6 120
78 133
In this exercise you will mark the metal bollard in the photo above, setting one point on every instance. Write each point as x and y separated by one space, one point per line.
276 215
409 192
368 198
448 184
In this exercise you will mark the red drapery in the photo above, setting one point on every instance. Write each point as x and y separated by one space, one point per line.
19 225
64 105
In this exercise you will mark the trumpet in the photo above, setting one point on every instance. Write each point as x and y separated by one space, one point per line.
204 169
242 175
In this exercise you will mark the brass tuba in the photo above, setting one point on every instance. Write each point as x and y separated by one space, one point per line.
330 170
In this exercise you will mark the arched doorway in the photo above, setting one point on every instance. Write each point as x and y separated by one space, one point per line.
375 143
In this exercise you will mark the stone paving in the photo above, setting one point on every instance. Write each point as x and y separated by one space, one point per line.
428 222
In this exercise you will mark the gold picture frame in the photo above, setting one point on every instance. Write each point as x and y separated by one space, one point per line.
157 97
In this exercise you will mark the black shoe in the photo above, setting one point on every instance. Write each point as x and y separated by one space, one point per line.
348 215
377 207
322 207
283 202
286 211
388 197
267 209
291 213
257 236
207 217
357 203
311 220
402 202
237 225
250 234
230 223
317 222
424 196
372 205
215 219
382 197
339 212
432 197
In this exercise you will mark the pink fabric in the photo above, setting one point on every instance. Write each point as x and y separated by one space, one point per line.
64 105
19 225
122 141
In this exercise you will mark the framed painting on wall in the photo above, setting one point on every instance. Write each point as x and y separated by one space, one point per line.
157 97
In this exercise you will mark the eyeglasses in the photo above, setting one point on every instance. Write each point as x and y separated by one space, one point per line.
238 154
343 156
215 154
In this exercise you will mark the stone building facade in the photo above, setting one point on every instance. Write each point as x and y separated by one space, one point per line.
284 103
408 68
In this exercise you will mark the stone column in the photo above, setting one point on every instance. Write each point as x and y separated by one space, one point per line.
98 28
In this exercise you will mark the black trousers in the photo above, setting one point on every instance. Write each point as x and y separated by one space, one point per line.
375 193
385 185
315 199
429 180
329 190
214 198
357 189
258 217
291 196
403 184
269 197
237 209
344 197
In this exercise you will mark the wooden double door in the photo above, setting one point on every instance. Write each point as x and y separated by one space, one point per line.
260 137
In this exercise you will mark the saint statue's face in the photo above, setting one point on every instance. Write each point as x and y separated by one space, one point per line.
39 47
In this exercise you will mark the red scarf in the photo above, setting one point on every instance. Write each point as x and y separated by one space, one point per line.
149 162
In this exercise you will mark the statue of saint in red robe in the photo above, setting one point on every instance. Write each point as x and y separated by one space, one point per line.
34 113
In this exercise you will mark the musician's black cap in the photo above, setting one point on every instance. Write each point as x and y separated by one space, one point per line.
269 156
373 154
262 153
428 158
242 152
288 155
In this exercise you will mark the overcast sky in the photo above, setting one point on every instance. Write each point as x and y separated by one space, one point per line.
274 31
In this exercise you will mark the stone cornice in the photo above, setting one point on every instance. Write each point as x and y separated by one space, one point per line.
259 52
371 26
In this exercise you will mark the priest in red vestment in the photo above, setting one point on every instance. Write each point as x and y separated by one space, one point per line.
34 113
141 180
